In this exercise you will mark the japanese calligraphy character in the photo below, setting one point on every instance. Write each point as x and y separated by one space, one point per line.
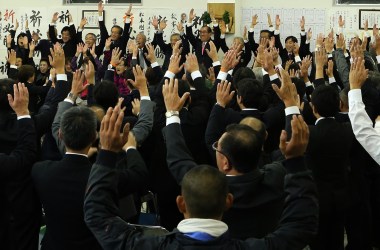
35 18
64 16
8 27
9 15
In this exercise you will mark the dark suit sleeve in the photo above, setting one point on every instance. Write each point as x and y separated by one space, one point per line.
190 36
159 40
12 73
132 172
223 45
125 36
299 220
178 156
251 39
23 155
185 45
52 35
247 54
217 38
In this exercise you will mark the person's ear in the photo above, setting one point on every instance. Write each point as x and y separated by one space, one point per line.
225 164
229 201
60 135
239 99
181 204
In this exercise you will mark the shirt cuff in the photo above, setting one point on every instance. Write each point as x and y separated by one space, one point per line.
378 59
367 34
303 33
145 97
222 36
52 24
355 95
100 18
273 77
68 100
292 110
307 42
251 29
308 84
23 117
189 24
264 71
196 74
80 30
340 30
13 66
169 74
217 63
347 55
155 64
276 32
62 77
230 72
173 119
134 57
329 55
128 20
271 29
130 147
297 59
222 75
331 80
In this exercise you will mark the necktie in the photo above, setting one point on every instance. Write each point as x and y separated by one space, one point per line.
203 47
141 59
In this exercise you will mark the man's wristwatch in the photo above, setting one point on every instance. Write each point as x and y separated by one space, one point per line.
171 113
72 97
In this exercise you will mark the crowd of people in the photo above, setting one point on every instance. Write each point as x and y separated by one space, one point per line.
283 154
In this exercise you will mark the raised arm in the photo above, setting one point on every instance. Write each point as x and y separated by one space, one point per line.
52 34
189 29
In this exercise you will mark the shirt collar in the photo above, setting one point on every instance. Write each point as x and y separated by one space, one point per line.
321 118
71 153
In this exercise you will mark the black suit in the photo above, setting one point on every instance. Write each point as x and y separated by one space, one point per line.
69 47
120 43
61 186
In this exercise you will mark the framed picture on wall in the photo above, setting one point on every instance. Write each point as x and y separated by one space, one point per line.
92 17
373 17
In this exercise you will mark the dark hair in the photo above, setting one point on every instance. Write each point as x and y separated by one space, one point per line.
241 73
251 91
343 96
106 94
5 89
22 34
152 77
78 127
203 71
294 66
242 146
90 33
120 29
205 190
25 72
270 34
293 38
325 100
208 28
66 28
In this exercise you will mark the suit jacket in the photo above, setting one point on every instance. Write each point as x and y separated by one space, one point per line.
61 186
120 43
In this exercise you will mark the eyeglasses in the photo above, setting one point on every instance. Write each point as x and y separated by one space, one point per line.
215 147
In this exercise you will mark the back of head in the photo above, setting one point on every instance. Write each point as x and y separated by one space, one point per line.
374 79
251 91
325 100
25 72
256 125
204 190
242 146
258 71
300 86
78 127
106 94
242 73
293 38
5 89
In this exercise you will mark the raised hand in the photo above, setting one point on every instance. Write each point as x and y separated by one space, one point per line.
309 34
330 68
170 92
358 73
228 61
287 64
270 24
163 24
296 49
329 44
177 49
302 23
180 27
57 58
128 13
79 49
115 58
212 53
297 145
278 22
150 55
17 24
223 94
20 100
77 86
191 64
100 8
191 15
90 73
140 82
304 67
341 21
211 74
340 42
55 17
287 92
108 43
82 23
110 137
377 45
9 41
375 30
11 57
174 66
136 106
254 21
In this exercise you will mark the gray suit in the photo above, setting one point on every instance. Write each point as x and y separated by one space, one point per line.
141 130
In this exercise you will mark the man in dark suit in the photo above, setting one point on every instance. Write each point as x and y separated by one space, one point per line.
118 36
16 159
201 44
327 155
68 33
204 197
